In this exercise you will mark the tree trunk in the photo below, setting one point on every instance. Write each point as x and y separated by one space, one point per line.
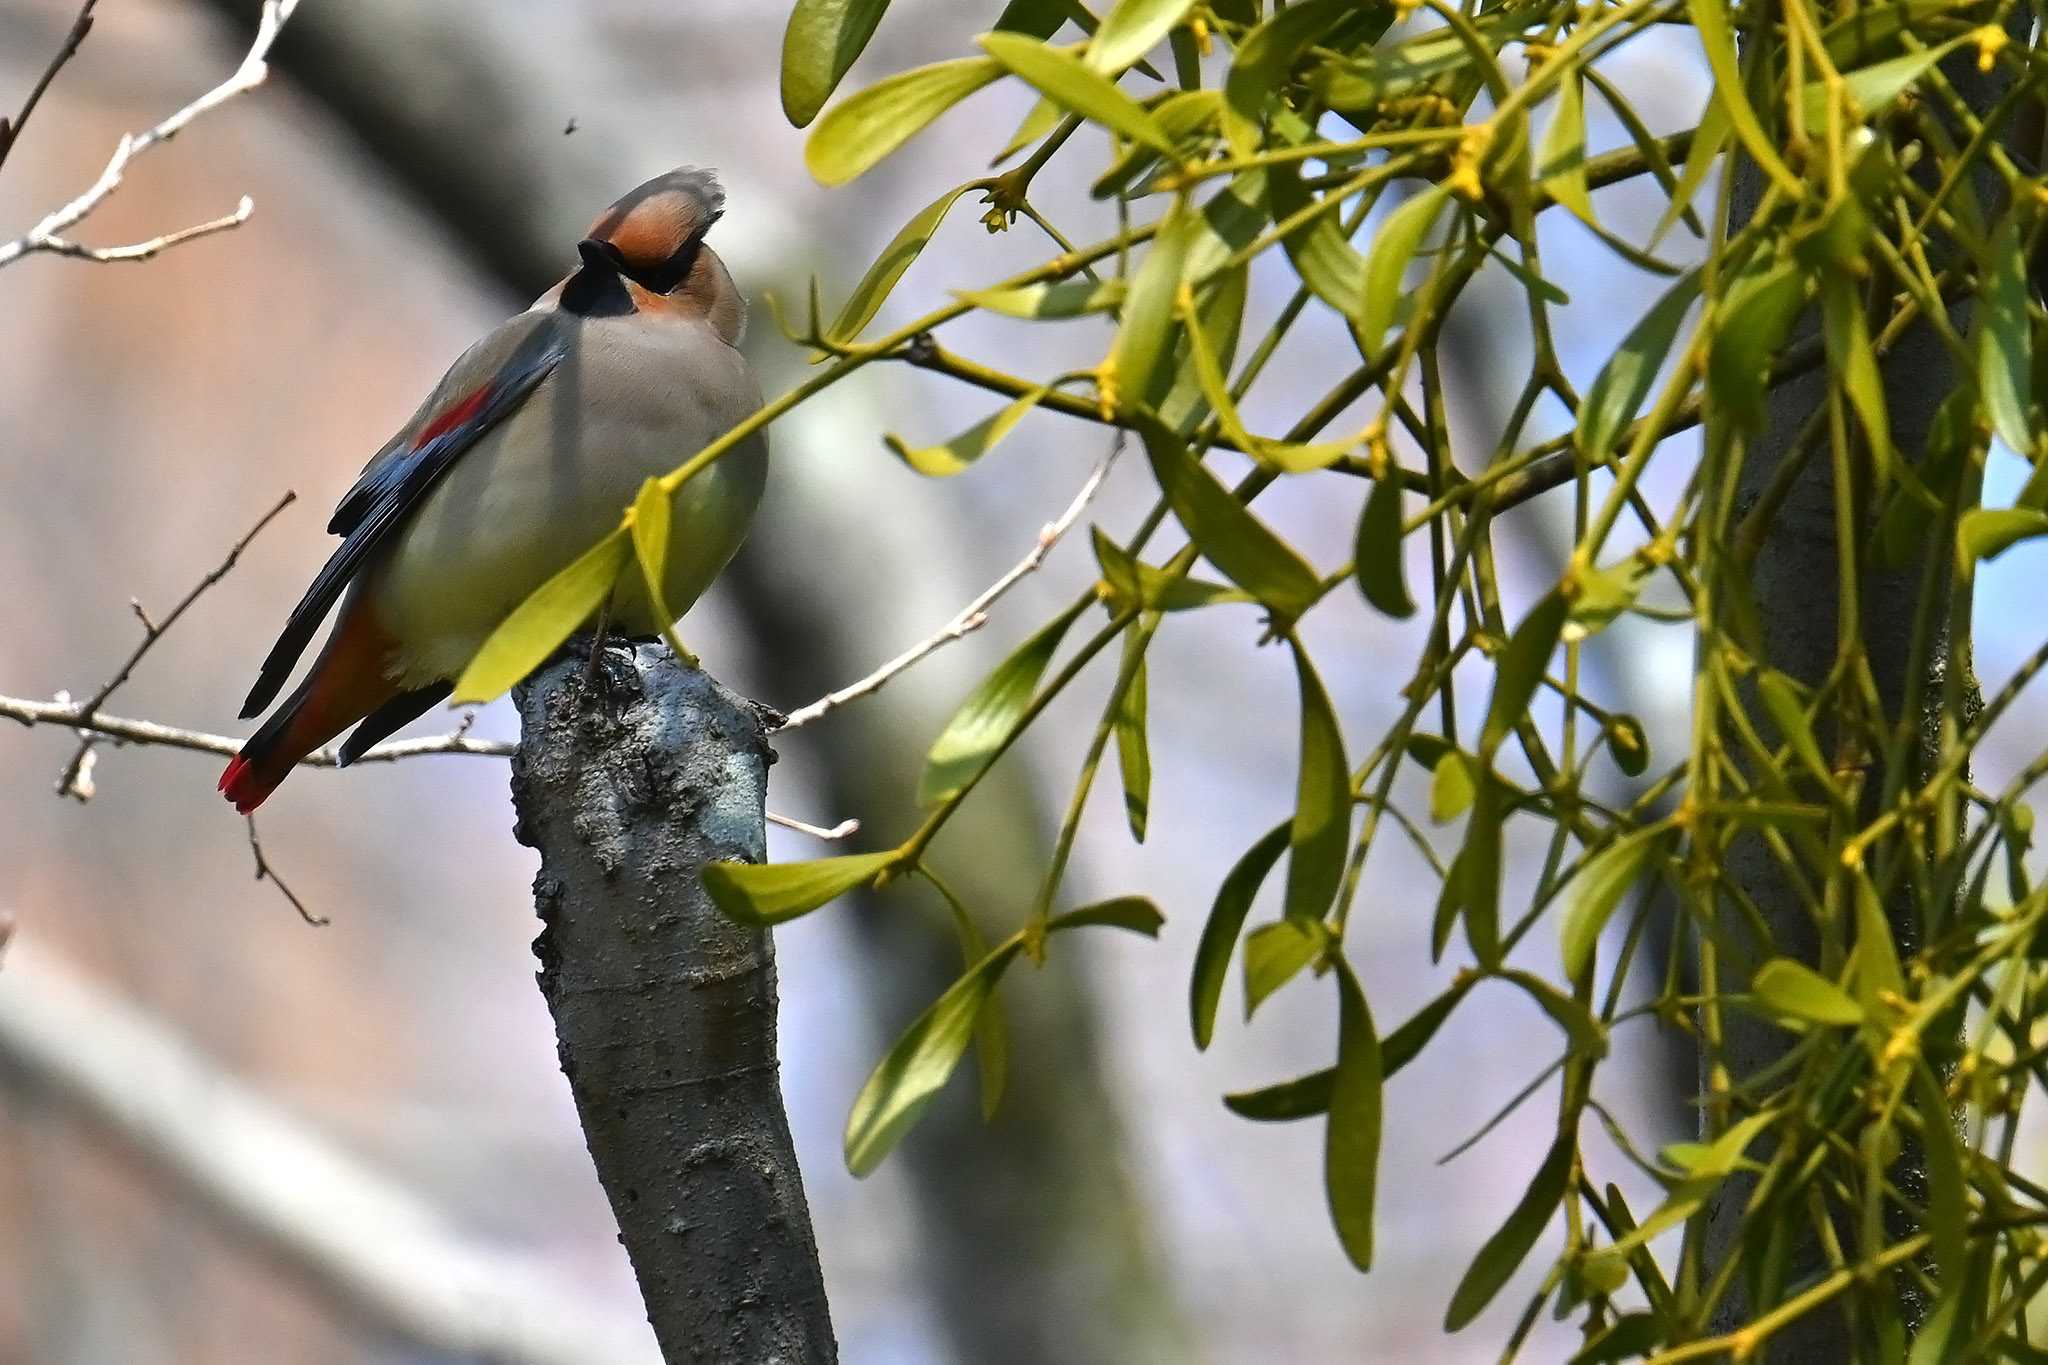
665 1009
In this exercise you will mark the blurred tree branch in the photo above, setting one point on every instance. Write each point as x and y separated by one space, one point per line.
356 1238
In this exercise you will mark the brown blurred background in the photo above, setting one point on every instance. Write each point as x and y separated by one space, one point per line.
415 180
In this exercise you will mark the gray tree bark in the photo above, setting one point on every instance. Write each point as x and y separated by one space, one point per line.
628 784
1797 586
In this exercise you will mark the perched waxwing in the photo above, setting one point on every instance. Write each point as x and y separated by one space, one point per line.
525 454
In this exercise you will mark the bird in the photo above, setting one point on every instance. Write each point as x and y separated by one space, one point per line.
524 455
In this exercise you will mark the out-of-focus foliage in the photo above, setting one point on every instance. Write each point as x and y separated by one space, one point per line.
1390 154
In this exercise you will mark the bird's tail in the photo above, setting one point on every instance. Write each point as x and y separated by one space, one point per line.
345 684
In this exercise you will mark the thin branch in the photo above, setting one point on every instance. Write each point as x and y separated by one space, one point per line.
10 132
49 234
974 615
68 783
264 871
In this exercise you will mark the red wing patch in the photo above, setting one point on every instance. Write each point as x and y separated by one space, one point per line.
454 417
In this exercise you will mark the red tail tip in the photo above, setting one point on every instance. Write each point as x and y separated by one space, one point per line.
243 786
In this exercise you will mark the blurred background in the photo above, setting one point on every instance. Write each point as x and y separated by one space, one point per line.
419 172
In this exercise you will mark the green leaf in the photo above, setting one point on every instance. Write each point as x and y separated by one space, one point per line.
1780 696
1561 160
2005 360
1322 255
1210 340
1707 143
1624 382
1386 266
1597 890
772 893
1061 77
1598 596
1275 953
823 39
1948 1194
1307 1096
943 461
904 248
1133 753
866 126
1795 989
1581 1030
1137 367
536 628
650 523
1475 876
1225 923
1042 18
1263 60
1451 788
1509 1246
1751 328
1045 116
1226 532
1039 302
920 1062
1988 532
1376 556
1853 362
982 724
1518 672
1138 914
991 1031
1351 1144
1873 88
1321 829
1878 975
1133 580
1710 17
1131 30
1301 1098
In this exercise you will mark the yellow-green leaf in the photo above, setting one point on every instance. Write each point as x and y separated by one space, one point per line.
1068 299
823 39
1323 256
1132 580
992 1030
1275 953
1510 1244
1060 76
538 626
903 249
1263 60
1780 696
920 1062
1710 17
1351 1143
2005 347
1321 830
1795 989
1451 788
1752 326
1518 672
1137 367
1597 891
1988 532
982 724
1393 247
1873 88
1301 1098
1624 382
1138 914
1225 530
1131 30
1853 362
1376 553
650 520
1561 160
1225 923
1133 753
868 125
770 893
941 461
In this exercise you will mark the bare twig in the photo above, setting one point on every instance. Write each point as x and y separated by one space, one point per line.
80 26
68 782
265 871
48 235
974 615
